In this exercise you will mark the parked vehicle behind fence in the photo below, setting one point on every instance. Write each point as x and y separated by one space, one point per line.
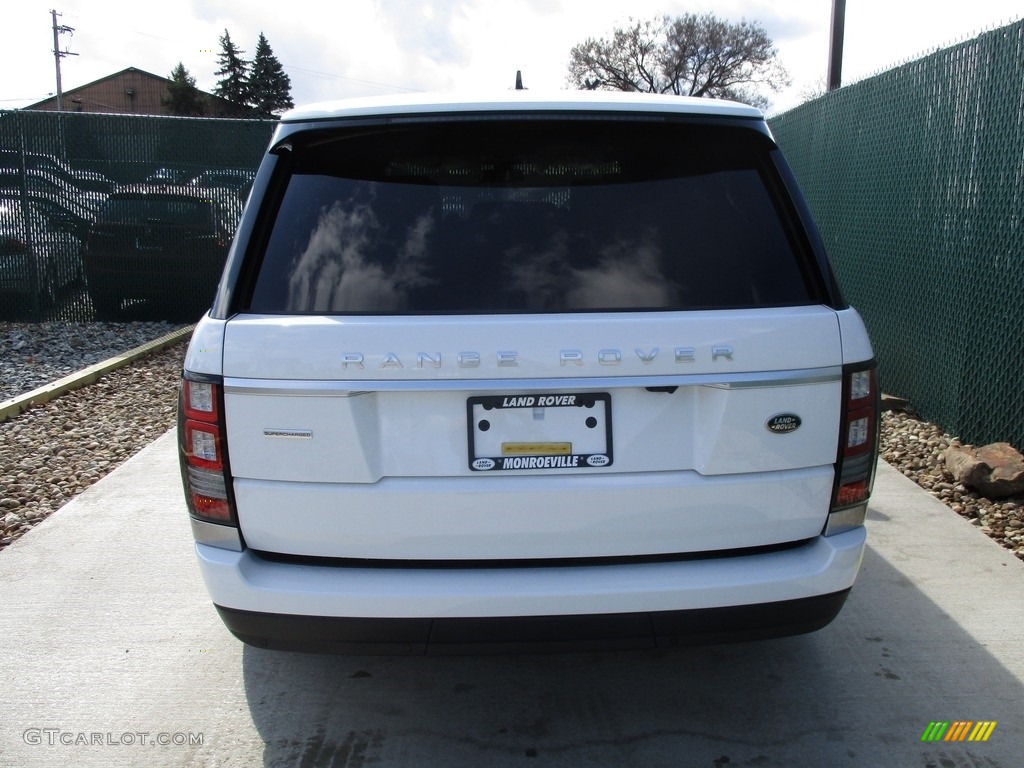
165 175
159 243
40 247
554 372
76 178
47 184
230 178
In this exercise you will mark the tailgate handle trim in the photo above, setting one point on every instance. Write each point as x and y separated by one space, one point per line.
319 388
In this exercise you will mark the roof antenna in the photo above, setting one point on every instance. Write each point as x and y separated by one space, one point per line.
519 80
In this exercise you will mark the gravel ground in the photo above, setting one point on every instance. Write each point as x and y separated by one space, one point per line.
34 354
52 452
915 448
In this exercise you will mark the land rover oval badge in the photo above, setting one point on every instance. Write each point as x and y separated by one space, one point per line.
783 423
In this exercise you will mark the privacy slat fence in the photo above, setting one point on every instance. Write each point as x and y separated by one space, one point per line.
66 165
916 179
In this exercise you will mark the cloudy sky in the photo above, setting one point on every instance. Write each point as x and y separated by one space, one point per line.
370 47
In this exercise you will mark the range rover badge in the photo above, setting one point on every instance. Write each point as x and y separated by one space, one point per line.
783 423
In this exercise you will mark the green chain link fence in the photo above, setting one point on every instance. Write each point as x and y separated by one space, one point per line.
916 179
66 165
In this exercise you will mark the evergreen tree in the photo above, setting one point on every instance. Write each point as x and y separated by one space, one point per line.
269 85
183 98
234 83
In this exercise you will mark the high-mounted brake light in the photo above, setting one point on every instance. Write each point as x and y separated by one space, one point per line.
203 454
858 449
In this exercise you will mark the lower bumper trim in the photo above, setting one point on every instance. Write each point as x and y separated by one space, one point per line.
532 634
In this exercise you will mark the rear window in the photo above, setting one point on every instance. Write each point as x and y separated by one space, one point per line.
185 212
530 216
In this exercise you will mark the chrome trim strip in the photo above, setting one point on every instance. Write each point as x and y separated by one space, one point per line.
843 520
318 388
222 536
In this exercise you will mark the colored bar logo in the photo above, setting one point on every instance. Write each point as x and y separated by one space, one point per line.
959 730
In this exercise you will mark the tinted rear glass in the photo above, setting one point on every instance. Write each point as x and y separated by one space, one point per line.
538 216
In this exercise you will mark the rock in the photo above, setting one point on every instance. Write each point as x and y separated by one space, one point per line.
995 471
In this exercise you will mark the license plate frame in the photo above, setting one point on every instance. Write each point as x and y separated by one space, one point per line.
539 431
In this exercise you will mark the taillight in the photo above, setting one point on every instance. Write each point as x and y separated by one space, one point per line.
858 448
14 245
203 451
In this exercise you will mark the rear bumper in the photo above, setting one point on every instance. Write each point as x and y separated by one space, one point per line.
536 634
395 610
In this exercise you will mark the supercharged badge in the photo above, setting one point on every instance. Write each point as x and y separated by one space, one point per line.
783 423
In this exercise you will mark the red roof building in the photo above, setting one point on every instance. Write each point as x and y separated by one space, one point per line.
128 92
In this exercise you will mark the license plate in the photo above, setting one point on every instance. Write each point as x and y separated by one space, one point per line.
540 431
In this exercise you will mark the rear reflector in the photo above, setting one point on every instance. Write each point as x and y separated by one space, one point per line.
853 493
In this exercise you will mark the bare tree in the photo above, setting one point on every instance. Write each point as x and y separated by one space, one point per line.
813 89
689 55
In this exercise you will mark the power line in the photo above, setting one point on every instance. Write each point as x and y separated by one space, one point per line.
351 79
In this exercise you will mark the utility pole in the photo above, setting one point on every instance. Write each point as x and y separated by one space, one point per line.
835 48
58 54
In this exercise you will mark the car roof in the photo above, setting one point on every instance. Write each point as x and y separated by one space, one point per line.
226 172
69 204
38 173
168 190
523 100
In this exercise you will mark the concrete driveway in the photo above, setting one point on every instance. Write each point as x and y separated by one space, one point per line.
111 654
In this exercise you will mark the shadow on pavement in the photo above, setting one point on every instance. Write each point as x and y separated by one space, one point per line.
861 692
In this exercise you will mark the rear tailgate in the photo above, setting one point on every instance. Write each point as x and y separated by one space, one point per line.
360 437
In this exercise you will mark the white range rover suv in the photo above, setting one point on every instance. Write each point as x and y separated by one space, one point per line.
533 372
